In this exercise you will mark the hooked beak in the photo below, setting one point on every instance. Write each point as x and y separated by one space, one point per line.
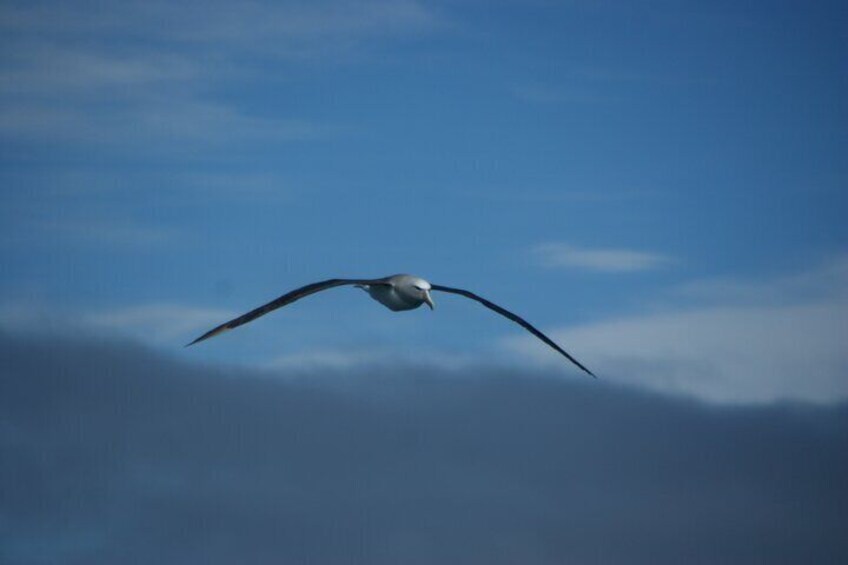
429 300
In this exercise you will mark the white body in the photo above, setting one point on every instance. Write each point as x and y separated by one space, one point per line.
403 292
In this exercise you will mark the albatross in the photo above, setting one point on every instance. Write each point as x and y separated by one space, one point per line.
397 293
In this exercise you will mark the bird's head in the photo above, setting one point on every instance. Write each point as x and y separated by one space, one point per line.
419 289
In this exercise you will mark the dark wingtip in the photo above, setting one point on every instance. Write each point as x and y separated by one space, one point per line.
207 335
579 364
583 367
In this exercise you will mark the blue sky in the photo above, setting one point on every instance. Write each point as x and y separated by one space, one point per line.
660 185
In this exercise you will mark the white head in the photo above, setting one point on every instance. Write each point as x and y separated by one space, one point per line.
415 288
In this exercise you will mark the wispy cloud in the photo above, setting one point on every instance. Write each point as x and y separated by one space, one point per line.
41 69
592 85
220 22
729 351
83 231
153 120
361 358
81 74
823 281
256 23
573 92
112 234
565 255
156 322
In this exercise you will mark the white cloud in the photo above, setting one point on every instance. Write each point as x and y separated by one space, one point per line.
358 358
152 123
259 22
158 323
112 234
79 73
538 93
564 255
328 359
804 285
39 69
221 21
728 351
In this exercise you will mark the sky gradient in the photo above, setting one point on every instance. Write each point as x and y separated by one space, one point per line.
660 186
610 171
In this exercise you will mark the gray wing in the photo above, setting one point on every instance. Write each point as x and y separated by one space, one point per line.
517 319
283 300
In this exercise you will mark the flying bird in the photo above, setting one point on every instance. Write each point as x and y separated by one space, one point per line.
397 293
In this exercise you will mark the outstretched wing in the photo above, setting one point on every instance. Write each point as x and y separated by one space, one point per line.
285 299
517 319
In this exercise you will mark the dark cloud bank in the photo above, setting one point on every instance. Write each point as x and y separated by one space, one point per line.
113 454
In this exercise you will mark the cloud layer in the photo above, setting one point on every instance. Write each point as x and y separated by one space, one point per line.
144 74
731 342
117 455
565 255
